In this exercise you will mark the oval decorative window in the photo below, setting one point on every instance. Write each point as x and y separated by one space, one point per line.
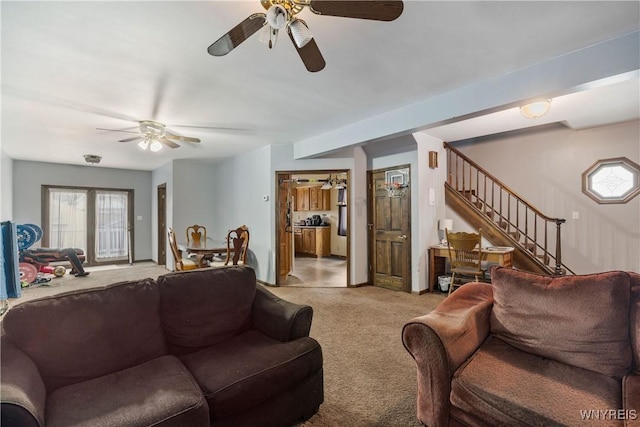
612 180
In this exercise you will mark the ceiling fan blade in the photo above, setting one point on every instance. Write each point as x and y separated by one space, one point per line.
170 135
135 138
237 35
183 138
120 130
310 54
362 9
218 128
169 143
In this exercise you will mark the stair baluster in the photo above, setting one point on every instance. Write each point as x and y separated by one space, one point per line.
520 222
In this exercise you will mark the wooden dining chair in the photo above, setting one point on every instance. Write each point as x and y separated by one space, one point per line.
181 263
237 245
197 233
465 255
237 248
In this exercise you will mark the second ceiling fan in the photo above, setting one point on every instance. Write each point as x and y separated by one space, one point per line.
281 15
154 135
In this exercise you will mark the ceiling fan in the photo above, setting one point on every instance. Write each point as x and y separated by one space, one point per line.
154 135
282 15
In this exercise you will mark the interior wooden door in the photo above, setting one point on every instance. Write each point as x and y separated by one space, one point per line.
390 233
284 215
162 226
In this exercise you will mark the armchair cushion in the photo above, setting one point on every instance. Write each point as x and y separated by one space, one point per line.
540 315
631 399
505 386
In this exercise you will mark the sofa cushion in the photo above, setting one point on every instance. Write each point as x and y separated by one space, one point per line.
242 372
160 392
85 334
502 385
202 307
579 320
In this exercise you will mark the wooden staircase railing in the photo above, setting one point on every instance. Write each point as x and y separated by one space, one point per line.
536 234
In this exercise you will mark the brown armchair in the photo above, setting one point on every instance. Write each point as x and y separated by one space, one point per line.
531 350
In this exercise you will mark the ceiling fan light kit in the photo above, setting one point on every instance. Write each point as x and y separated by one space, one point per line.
277 16
144 144
281 14
155 146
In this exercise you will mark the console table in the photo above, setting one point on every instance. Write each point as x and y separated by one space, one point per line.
438 255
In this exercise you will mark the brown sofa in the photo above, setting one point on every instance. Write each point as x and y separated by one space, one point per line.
197 348
531 350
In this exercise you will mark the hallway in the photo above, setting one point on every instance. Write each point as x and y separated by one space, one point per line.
324 272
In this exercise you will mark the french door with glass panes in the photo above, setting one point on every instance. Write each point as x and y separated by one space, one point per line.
96 220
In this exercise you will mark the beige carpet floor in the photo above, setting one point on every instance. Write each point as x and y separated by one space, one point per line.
369 378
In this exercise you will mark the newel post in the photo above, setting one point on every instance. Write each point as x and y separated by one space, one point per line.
559 271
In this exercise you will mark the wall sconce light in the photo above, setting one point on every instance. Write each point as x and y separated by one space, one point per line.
535 110
433 159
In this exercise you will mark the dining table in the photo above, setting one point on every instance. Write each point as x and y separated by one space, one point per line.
205 248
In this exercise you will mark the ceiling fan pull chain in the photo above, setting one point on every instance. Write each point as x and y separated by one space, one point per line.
273 37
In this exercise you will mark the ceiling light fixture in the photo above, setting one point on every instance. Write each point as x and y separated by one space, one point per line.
535 110
92 158
329 183
155 146
144 144
151 142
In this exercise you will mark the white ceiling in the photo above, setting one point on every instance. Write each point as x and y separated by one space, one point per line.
71 67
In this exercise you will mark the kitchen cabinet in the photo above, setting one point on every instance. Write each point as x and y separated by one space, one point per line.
302 198
297 239
313 199
309 241
314 241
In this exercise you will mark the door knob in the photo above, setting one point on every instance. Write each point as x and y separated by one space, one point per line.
403 237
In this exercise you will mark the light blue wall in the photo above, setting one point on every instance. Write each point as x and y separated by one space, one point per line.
162 175
6 186
194 194
28 178
239 185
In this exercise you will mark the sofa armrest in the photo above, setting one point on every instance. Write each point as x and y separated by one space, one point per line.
279 319
631 399
23 392
441 341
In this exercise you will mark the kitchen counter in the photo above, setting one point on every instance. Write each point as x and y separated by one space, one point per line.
314 240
